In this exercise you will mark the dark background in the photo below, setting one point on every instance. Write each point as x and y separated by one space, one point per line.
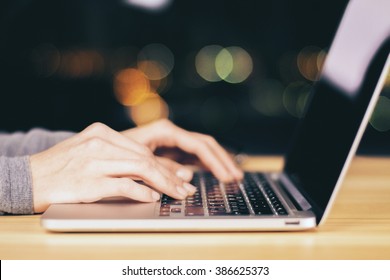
38 37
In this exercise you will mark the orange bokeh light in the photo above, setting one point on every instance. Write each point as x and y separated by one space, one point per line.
152 108
131 86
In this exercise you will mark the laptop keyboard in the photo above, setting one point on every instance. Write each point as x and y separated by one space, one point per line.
250 197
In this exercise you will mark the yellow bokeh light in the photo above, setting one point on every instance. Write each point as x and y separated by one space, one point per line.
224 64
152 108
205 63
241 62
214 63
131 86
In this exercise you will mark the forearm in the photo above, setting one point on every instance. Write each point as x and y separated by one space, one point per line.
34 141
15 186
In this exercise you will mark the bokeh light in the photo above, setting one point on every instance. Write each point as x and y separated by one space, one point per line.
152 108
205 63
46 59
152 69
161 86
76 63
137 87
215 63
310 61
387 82
267 98
295 98
380 118
156 61
131 86
70 64
151 5
224 64
233 64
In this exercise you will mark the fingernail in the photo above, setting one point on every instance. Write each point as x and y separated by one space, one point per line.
182 191
190 188
155 196
184 174
229 178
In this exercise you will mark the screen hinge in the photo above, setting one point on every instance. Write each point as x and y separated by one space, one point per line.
294 192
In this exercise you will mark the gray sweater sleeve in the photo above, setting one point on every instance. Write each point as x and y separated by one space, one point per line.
15 175
32 142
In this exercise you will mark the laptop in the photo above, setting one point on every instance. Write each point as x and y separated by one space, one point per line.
301 195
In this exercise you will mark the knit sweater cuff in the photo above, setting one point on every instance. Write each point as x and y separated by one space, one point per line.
16 185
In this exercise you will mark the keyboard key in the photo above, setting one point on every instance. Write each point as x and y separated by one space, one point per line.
235 199
164 214
276 203
176 202
256 198
176 210
194 211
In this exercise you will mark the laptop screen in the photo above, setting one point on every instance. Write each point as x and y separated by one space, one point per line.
339 101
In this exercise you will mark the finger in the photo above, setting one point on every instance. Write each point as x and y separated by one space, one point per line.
182 185
128 188
224 157
180 170
191 143
211 154
146 169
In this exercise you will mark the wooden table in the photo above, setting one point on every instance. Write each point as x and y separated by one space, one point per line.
358 228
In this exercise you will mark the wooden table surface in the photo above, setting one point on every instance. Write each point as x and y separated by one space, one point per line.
357 228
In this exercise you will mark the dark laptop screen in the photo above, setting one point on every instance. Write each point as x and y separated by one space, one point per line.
339 101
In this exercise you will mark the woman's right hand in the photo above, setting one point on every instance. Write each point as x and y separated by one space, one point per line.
97 163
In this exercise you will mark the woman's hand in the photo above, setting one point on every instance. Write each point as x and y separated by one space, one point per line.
100 162
164 133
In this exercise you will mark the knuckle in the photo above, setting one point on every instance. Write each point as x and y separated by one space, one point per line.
96 128
209 138
94 143
166 126
165 123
